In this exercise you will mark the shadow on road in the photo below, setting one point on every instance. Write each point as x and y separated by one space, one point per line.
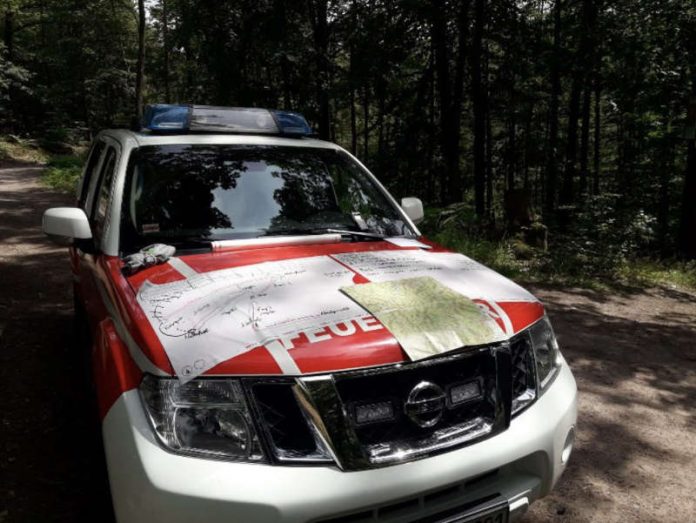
634 358
52 466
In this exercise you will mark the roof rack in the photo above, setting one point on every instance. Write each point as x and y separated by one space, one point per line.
180 119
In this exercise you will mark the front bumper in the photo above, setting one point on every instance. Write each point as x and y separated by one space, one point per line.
149 484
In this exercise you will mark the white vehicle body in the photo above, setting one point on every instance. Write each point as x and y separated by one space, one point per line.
513 466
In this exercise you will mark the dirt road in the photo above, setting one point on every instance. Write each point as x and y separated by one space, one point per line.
51 466
633 354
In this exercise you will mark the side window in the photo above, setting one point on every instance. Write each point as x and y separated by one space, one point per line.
103 193
90 172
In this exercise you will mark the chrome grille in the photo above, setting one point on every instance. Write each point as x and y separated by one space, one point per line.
401 437
380 416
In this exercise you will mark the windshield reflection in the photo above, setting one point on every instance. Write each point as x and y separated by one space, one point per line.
214 192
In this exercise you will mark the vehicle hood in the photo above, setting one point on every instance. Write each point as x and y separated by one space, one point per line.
284 310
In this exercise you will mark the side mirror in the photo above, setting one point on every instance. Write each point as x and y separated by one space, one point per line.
413 208
63 225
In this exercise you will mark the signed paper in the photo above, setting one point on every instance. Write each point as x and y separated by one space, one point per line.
455 271
209 318
426 317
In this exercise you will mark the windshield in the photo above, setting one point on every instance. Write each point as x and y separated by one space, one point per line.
187 193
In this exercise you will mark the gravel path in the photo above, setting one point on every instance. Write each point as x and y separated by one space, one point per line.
51 466
634 357
633 354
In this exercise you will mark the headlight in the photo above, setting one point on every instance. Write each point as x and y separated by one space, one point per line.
206 417
546 353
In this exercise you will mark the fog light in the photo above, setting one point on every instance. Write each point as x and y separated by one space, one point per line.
374 412
568 446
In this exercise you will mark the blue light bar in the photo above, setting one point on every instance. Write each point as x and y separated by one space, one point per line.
292 123
232 120
165 118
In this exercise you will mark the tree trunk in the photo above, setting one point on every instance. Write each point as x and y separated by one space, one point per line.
551 174
140 69
527 144
353 123
597 137
478 96
432 125
583 62
567 190
450 95
439 39
585 138
281 39
687 226
366 120
512 152
8 40
454 120
8 34
380 117
666 166
320 29
489 168
353 116
165 48
512 110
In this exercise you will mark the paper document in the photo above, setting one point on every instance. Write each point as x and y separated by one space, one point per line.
408 242
456 271
211 317
425 317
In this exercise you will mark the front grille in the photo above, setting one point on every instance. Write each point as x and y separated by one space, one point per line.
380 416
389 440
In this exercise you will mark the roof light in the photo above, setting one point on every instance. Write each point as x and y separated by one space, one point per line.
162 117
292 123
232 120
201 118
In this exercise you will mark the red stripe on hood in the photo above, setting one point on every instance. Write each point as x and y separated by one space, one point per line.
522 313
327 351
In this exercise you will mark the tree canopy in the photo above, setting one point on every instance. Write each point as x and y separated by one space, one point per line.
576 113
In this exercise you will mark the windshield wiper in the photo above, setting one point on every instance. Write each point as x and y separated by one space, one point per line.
321 230
291 231
357 234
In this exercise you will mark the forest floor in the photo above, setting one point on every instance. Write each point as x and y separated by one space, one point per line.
633 352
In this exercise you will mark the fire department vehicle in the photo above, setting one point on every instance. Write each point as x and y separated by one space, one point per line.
273 340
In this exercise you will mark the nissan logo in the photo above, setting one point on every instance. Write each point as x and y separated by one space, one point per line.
425 404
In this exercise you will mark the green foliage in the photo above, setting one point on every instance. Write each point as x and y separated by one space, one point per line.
13 77
603 251
15 149
71 65
498 255
63 172
673 273
602 236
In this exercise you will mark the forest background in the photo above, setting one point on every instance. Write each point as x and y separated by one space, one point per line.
551 139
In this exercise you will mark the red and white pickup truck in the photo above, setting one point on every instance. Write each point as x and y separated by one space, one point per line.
273 340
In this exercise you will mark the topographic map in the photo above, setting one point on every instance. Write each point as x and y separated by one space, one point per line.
425 316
